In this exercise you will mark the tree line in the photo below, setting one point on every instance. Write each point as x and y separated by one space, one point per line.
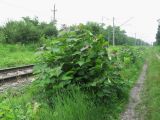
107 31
30 30
26 30
157 36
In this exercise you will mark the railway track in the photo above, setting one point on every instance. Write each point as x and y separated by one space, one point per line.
15 73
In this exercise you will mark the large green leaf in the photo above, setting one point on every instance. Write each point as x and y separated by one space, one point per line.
56 71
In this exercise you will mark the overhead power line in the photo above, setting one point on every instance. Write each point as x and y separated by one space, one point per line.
113 32
126 21
18 6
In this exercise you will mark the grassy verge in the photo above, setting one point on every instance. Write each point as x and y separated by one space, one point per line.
150 105
73 105
37 103
15 55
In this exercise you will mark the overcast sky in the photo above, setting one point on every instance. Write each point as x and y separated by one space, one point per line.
144 12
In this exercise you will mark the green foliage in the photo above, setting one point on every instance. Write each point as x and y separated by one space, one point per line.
16 106
80 60
16 111
16 55
76 59
2 37
31 30
48 30
158 36
149 108
95 28
120 35
26 31
130 55
71 104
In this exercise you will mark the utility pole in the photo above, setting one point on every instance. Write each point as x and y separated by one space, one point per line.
135 39
54 14
113 32
104 18
113 29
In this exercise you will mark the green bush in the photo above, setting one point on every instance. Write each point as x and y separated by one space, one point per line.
26 31
80 60
131 55
2 37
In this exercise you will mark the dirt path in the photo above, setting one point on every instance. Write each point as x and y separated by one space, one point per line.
158 56
130 112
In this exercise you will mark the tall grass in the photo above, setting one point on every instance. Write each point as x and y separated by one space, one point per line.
69 106
150 105
15 55
73 105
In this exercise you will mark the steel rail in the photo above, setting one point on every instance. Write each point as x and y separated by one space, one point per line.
15 76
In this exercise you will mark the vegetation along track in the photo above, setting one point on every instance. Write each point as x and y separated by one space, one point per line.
11 75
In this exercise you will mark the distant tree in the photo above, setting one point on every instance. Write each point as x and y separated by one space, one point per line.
107 32
21 32
95 28
34 21
2 36
120 35
158 36
48 30
26 30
